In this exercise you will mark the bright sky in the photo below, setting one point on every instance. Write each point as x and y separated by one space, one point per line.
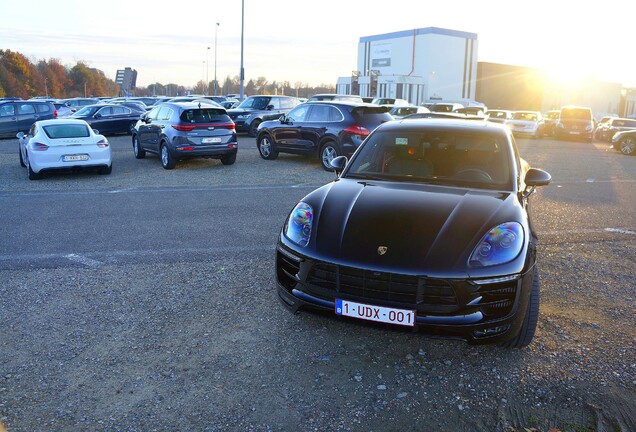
313 42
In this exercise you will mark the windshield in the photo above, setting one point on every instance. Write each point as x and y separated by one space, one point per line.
87 111
478 160
524 116
576 114
258 102
66 131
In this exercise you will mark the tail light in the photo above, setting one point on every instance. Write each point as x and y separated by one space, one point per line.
184 127
54 113
185 148
40 147
357 130
102 143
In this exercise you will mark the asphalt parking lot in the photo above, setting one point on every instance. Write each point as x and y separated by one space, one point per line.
145 300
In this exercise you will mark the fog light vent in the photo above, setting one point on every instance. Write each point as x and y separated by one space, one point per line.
491 331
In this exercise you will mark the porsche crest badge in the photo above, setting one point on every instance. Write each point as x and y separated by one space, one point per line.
382 250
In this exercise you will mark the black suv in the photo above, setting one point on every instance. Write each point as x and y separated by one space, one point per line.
18 116
183 130
326 129
256 109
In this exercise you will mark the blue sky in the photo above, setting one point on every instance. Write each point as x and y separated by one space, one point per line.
313 42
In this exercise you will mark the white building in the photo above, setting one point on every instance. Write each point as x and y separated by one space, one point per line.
420 65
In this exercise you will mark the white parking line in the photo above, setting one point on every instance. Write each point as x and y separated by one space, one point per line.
83 260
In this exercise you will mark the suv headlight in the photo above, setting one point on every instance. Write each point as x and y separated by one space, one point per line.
298 228
500 245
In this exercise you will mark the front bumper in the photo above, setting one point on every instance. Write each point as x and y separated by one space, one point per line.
477 311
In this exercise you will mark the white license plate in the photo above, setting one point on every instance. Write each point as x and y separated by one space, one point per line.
210 140
575 133
74 158
382 314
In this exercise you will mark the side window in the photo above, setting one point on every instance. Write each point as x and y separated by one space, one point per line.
164 114
105 111
152 115
275 103
42 108
26 109
7 110
119 110
298 114
319 113
287 103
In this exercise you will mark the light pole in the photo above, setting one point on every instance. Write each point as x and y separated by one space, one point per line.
46 89
207 71
242 76
215 32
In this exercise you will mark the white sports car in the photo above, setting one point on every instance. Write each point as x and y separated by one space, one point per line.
63 144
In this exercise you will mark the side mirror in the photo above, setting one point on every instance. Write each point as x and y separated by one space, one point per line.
269 107
283 119
338 164
20 135
536 177
145 119
97 116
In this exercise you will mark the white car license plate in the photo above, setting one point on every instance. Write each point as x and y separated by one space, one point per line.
210 140
382 314
575 133
74 158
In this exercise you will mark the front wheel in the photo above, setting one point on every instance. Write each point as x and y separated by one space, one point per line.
529 326
266 147
167 160
627 146
328 152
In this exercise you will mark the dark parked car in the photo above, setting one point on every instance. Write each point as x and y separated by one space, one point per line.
254 110
605 131
108 119
325 129
183 130
575 123
625 142
427 227
18 115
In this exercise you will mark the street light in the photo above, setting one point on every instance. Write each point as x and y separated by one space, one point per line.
203 79
215 32
242 76
207 71
46 89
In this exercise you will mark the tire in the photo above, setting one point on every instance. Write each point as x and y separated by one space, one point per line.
266 147
32 174
167 160
229 159
140 153
254 127
107 170
627 146
526 333
328 151
22 164
131 127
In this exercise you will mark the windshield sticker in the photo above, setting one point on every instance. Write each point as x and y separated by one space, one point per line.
401 141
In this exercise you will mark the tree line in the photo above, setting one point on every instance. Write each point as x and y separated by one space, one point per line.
20 77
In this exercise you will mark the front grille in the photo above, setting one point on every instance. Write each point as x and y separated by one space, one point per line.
287 268
329 281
